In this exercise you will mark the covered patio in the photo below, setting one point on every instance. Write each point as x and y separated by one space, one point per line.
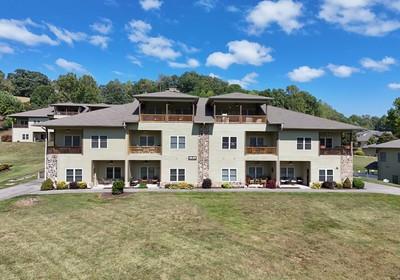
261 174
294 173
105 172
145 171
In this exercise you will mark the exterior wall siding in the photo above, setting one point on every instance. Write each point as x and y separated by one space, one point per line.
17 132
391 167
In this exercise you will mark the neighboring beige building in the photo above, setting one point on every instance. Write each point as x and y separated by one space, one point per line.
26 127
389 161
171 137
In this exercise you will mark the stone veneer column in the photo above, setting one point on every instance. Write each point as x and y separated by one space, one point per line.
51 164
203 153
346 167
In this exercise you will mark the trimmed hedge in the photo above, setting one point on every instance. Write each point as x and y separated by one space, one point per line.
118 187
62 185
206 183
358 183
47 185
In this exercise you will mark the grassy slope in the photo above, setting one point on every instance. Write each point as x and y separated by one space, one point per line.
202 236
27 159
361 161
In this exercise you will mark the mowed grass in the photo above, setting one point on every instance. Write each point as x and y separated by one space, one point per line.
360 162
27 159
201 236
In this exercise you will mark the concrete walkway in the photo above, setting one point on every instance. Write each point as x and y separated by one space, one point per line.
34 188
27 188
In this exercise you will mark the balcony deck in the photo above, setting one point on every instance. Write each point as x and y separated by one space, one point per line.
144 149
64 150
240 119
165 118
261 150
337 151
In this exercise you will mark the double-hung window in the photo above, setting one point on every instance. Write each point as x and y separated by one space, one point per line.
146 140
229 174
178 142
255 172
72 141
229 143
113 172
73 175
326 175
99 142
177 174
303 143
326 142
25 136
256 141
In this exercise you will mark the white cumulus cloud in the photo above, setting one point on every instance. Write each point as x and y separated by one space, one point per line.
365 17
67 36
342 71
159 46
285 13
190 63
104 26
305 74
70 66
100 41
17 30
150 4
394 86
378 65
248 79
240 52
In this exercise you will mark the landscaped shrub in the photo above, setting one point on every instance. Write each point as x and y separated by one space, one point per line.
117 187
82 185
47 185
142 185
62 185
358 183
347 184
179 186
206 183
73 185
226 185
328 185
316 186
359 152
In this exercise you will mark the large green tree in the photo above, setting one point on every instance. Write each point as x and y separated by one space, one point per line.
393 118
115 92
67 86
9 104
43 96
88 91
24 82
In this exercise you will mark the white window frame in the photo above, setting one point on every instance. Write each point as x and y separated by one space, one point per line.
73 174
303 143
25 136
326 174
147 140
177 142
229 174
72 141
255 171
229 142
177 174
287 172
113 168
99 141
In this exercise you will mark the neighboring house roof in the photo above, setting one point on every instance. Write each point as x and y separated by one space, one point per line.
395 144
364 136
170 94
295 120
38 113
238 96
114 116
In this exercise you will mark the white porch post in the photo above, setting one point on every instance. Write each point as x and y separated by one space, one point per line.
278 173
126 173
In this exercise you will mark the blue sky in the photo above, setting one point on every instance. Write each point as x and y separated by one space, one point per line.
344 52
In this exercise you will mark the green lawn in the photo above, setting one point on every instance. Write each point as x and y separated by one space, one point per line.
201 236
359 162
27 159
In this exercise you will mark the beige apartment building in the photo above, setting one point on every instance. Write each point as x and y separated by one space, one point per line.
25 126
389 161
173 137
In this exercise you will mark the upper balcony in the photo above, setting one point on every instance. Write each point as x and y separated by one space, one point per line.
336 151
65 141
236 108
335 144
145 142
167 106
261 143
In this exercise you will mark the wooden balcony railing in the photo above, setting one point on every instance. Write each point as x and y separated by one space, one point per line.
145 150
165 118
337 151
64 150
261 150
240 119
18 125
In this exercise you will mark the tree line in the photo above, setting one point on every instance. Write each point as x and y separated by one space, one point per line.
84 89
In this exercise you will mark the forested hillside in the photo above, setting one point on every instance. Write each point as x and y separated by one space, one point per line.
84 89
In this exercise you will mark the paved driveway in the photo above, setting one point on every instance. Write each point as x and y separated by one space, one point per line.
18 190
34 188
